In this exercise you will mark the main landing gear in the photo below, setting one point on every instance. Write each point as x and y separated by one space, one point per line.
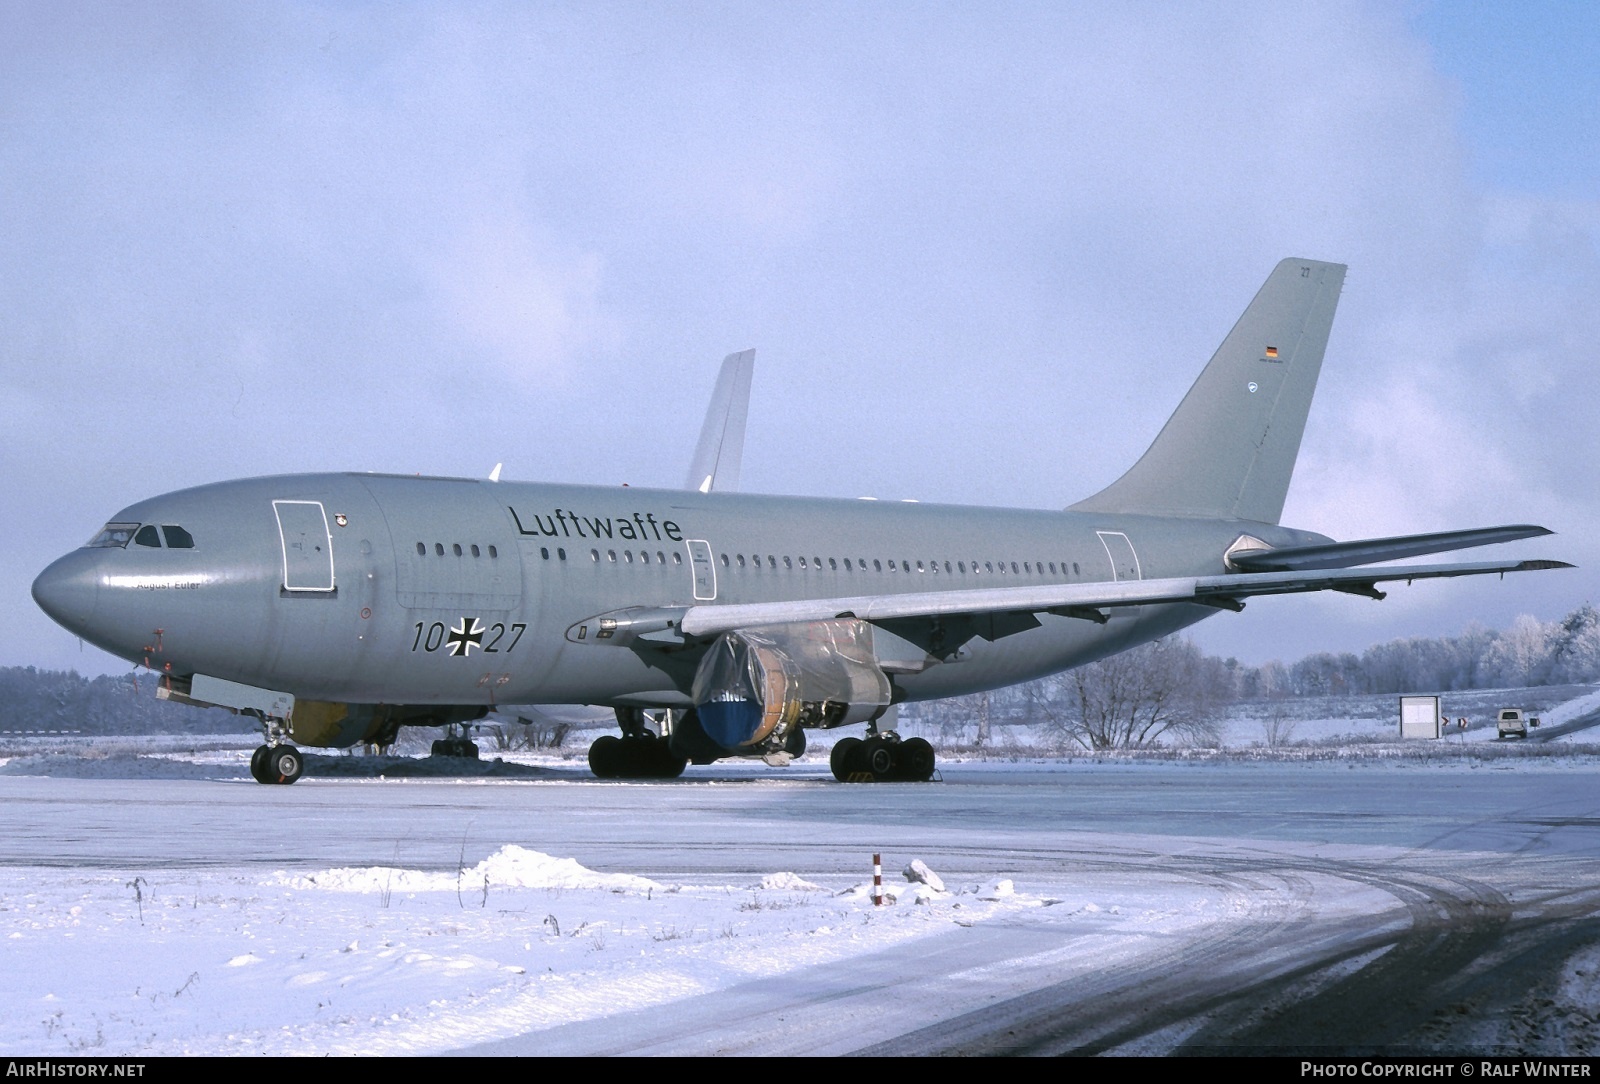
882 758
277 764
455 744
635 756
639 754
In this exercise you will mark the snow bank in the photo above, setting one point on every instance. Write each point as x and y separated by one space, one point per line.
509 867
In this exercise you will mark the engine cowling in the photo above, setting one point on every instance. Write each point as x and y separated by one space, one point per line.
756 687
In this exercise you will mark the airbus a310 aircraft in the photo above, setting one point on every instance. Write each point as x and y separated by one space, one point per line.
336 608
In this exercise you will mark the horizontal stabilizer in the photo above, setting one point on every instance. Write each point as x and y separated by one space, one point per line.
1366 551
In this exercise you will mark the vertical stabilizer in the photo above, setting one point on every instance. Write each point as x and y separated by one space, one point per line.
720 451
1229 449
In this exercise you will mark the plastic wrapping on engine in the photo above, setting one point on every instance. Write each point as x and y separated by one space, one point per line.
756 685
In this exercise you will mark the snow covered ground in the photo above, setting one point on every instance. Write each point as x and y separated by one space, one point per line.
153 900
387 959
1325 720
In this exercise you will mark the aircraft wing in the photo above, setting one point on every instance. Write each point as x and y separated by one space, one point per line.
720 451
1366 551
1086 600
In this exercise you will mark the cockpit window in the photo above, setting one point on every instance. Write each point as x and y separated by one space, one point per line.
113 536
147 536
177 537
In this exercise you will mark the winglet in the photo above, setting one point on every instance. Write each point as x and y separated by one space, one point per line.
720 451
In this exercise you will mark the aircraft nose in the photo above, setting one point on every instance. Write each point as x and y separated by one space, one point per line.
68 590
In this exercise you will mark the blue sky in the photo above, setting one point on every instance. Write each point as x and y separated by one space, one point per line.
981 253
1529 87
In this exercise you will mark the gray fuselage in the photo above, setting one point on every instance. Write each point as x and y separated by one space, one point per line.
462 592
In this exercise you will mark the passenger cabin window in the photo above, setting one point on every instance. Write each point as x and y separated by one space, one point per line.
147 536
422 549
113 536
177 537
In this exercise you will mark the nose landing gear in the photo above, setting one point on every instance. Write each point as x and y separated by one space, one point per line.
276 762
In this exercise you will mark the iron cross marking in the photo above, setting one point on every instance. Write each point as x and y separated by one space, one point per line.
465 636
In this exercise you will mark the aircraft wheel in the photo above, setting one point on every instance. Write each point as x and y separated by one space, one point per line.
666 763
258 764
284 765
467 749
880 758
645 756
607 757
843 758
916 760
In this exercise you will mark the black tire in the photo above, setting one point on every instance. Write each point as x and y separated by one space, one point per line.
843 758
916 760
285 765
665 763
258 764
880 758
607 757
467 749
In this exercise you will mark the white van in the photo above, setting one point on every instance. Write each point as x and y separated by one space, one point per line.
1514 722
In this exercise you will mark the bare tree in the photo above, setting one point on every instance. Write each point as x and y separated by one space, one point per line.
1166 689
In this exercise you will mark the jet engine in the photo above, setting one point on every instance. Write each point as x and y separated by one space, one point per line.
756 688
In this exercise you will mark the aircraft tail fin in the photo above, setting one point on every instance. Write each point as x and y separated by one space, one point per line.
1228 451
720 451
